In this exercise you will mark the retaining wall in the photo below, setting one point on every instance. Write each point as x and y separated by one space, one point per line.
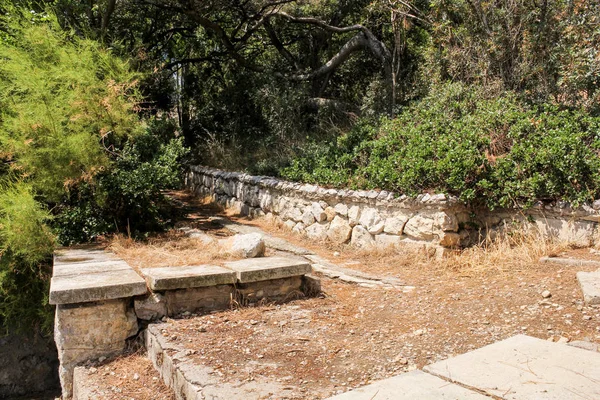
380 218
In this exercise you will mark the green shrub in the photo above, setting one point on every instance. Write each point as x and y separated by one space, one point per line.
486 149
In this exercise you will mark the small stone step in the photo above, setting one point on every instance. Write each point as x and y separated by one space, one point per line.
267 268
526 368
590 286
171 278
411 386
575 262
85 275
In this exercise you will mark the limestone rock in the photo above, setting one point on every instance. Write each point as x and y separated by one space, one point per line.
370 219
151 307
330 212
339 230
449 239
446 222
317 231
307 217
298 228
90 330
247 246
420 227
341 209
353 215
361 237
318 212
394 225
384 241
289 224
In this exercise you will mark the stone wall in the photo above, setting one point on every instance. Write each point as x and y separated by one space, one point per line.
380 218
28 365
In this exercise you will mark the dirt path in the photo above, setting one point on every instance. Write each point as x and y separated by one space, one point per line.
353 335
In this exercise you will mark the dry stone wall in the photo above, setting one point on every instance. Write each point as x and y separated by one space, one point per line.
370 219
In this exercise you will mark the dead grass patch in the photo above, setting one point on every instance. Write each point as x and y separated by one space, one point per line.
172 248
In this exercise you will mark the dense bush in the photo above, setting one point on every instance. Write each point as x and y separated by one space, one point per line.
75 159
490 148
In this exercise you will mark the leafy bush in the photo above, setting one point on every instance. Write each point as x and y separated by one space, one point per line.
492 149
74 155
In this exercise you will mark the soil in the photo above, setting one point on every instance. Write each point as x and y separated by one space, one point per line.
352 335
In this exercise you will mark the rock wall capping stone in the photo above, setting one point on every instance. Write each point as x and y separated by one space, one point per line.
371 219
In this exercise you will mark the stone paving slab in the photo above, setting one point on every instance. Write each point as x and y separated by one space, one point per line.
63 269
169 278
84 275
590 286
107 285
415 385
83 255
576 262
266 268
526 368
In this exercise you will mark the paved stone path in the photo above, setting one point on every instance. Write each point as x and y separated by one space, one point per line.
521 367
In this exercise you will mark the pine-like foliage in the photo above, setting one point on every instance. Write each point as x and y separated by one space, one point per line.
65 106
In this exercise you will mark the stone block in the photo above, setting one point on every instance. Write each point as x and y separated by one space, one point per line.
590 286
384 241
70 289
353 215
525 368
150 307
246 245
394 225
266 268
341 209
361 238
87 331
371 220
170 278
318 212
317 231
201 299
339 231
414 385
272 290
420 227
307 217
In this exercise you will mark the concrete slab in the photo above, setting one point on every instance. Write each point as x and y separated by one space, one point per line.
590 286
106 285
168 278
266 268
411 386
75 268
526 368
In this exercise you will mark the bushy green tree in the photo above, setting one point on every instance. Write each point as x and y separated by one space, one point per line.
71 147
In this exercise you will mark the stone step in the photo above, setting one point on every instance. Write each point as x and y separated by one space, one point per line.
411 386
170 278
590 286
268 268
525 368
191 380
86 275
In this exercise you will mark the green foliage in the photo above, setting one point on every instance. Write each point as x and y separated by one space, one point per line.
457 140
75 159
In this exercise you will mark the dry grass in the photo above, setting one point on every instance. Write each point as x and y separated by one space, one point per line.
514 251
172 248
